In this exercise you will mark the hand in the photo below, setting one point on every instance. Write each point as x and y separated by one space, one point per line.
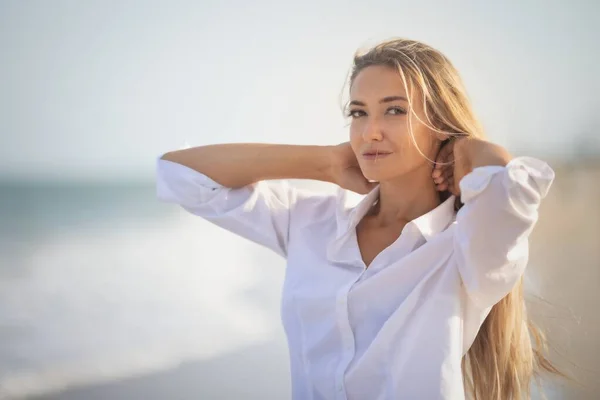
451 165
460 156
346 171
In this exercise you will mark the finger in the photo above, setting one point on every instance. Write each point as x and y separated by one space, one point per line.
444 153
437 172
439 179
446 149
448 173
444 171
440 161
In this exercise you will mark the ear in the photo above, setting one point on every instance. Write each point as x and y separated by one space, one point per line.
442 137
437 132
442 140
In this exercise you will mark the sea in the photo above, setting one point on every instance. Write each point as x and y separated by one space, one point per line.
102 283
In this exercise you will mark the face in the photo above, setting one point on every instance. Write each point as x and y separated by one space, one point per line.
380 115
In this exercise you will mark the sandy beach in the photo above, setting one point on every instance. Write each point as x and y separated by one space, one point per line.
259 372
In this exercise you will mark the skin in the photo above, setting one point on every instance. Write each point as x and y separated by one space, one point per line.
409 182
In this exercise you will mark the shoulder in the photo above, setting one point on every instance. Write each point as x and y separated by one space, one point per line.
317 204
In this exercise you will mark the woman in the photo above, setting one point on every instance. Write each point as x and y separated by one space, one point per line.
415 293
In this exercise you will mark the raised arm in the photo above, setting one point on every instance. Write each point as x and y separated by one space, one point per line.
239 164
501 198
228 184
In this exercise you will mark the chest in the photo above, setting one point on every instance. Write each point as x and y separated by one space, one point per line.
372 241
324 291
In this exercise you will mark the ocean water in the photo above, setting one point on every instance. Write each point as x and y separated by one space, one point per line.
103 282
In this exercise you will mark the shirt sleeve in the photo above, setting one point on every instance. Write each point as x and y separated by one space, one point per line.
492 228
260 212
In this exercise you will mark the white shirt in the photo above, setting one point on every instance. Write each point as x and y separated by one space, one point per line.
398 329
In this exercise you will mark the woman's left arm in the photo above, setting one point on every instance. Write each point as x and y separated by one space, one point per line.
501 197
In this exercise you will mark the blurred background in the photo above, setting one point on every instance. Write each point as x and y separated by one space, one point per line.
107 294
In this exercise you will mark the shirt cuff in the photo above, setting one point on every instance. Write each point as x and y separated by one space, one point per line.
524 170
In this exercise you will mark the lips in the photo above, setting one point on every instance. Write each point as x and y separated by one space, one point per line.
375 155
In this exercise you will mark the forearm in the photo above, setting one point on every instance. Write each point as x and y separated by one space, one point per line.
240 164
487 154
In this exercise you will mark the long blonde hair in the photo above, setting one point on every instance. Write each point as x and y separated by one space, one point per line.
508 352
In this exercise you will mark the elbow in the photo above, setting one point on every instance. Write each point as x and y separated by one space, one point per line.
170 156
488 280
487 289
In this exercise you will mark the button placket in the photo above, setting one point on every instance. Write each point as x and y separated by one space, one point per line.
346 334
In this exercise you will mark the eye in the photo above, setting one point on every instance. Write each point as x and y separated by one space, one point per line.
355 113
396 111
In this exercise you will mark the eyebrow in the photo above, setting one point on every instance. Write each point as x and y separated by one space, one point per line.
384 100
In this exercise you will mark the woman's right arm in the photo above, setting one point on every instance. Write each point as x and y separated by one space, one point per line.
228 185
239 164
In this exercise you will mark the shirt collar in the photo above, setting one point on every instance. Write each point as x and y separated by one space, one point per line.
429 224
339 249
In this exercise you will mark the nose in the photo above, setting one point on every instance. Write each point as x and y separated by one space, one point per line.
372 130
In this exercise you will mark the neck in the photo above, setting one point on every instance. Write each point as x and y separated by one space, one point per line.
406 197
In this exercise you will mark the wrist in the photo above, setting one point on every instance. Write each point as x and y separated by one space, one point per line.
326 162
483 153
336 156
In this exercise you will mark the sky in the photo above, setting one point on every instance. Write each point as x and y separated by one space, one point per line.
97 90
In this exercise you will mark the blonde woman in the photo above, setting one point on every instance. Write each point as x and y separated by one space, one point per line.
416 292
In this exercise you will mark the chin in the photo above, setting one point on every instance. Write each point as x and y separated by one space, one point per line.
376 176
383 174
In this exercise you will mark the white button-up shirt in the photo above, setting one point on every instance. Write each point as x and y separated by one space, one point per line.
398 329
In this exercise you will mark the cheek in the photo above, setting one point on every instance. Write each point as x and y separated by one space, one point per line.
399 135
403 144
412 151
423 138
356 126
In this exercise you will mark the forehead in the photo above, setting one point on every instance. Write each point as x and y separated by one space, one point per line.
377 81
